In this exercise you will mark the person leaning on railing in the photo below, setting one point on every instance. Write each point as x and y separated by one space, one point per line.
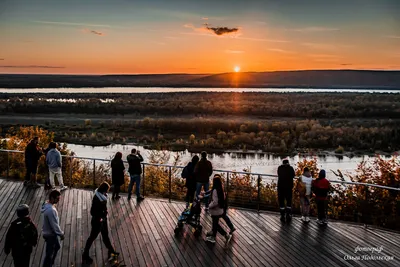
285 189
32 155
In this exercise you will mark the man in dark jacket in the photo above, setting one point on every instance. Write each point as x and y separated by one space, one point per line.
202 172
285 187
135 170
188 174
32 156
21 237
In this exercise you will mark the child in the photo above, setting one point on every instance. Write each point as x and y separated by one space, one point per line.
21 237
320 187
304 189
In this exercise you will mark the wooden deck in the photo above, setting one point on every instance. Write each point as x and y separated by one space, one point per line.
144 234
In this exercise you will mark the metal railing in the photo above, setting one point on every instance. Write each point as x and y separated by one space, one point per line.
253 198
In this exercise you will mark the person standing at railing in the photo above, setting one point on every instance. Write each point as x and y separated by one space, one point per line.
32 155
99 223
190 183
285 189
117 174
135 170
321 187
202 172
21 237
304 188
54 162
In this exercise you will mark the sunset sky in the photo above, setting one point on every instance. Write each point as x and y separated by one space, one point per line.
191 36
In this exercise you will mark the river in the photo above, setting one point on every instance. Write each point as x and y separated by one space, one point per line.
233 161
170 90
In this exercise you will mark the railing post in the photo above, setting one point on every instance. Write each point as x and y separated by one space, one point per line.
170 182
70 171
143 183
8 163
366 209
227 188
94 173
258 193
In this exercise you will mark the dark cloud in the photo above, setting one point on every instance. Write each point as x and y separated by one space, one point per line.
93 32
221 30
346 64
31 67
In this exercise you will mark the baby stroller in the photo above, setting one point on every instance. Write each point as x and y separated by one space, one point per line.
191 216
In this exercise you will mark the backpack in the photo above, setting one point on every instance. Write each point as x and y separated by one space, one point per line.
185 172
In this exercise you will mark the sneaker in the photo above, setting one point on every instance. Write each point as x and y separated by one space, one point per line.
307 220
112 254
86 259
228 238
320 222
325 221
210 239
232 230
35 185
117 197
62 188
303 219
139 198
209 233
26 183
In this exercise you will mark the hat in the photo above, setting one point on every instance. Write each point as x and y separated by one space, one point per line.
322 174
22 210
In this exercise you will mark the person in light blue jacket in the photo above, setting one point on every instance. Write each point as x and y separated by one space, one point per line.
53 160
51 228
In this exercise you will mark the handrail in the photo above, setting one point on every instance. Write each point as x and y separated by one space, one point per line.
217 170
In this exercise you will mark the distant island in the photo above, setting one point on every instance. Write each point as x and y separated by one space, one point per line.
338 79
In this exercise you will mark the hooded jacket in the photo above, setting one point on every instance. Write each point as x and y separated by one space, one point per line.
51 224
53 159
21 236
99 206
134 164
203 171
320 187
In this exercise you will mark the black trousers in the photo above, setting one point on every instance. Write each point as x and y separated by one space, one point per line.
97 228
191 189
285 194
322 209
21 259
117 189
216 227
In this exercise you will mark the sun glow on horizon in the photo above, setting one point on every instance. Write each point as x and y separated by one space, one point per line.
236 68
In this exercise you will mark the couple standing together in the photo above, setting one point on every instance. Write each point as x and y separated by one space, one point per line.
118 173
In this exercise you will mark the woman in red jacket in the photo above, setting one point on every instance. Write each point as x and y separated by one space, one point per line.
321 187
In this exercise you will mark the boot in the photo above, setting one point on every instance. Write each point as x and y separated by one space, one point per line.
288 214
86 259
282 215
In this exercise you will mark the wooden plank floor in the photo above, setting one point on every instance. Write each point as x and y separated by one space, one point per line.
144 234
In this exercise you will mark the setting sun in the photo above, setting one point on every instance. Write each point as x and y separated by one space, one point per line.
236 68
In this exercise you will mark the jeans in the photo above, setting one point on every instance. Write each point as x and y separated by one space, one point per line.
135 178
322 207
285 194
97 228
305 205
227 220
52 247
198 190
216 227
58 174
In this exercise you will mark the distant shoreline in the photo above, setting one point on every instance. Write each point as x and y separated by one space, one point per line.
311 79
